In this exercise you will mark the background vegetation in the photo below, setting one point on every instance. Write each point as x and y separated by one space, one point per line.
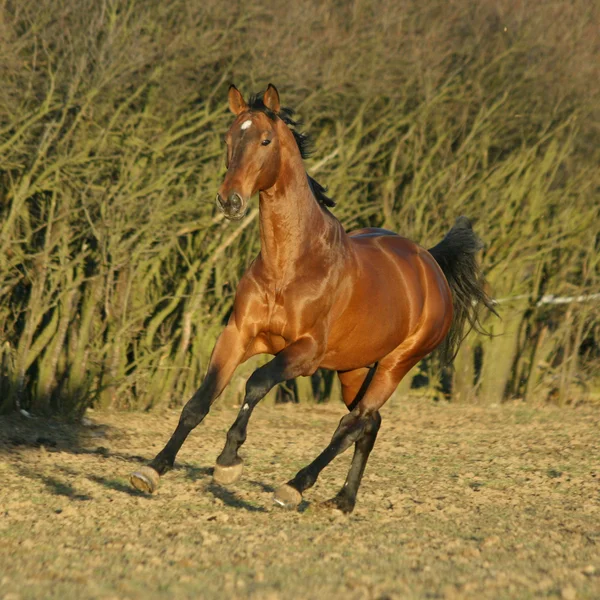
116 273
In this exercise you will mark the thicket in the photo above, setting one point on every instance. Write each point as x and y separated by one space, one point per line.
116 272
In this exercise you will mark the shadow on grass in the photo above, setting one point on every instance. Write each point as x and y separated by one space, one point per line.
118 486
55 486
17 432
265 487
231 498
194 473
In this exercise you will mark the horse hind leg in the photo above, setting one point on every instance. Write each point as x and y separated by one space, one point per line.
359 426
349 430
354 386
345 499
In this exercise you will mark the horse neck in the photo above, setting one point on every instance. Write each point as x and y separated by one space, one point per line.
292 224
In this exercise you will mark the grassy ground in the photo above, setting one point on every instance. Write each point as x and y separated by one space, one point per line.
457 502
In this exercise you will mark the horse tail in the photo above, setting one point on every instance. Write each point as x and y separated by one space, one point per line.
456 255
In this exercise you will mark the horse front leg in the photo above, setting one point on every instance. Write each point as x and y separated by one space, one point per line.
299 358
227 354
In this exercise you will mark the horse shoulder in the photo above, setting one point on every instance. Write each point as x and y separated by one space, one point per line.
249 307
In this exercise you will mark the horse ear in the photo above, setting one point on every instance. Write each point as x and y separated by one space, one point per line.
237 104
271 99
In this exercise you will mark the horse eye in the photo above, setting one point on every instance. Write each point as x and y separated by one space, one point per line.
265 142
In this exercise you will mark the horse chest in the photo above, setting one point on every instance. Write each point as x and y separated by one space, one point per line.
280 310
289 310
275 332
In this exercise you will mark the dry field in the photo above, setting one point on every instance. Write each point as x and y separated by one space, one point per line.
458 501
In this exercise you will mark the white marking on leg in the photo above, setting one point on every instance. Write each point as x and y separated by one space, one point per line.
246 124
246 406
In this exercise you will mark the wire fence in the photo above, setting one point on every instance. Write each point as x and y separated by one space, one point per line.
550 299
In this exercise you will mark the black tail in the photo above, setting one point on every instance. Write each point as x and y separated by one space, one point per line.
456 255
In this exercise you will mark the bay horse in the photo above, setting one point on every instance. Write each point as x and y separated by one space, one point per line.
368 304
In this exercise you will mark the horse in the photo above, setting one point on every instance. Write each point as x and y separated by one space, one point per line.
368 304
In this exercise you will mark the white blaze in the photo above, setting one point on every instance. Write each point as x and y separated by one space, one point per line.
246 124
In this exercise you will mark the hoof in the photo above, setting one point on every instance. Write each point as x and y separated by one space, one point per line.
287 497
341 503
145 480
226 475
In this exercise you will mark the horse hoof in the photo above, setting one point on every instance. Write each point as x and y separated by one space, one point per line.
145 480
340 503
287 497
226 475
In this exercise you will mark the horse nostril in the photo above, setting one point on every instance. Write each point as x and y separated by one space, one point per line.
235 200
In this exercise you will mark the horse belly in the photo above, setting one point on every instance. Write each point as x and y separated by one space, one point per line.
366 333
388 299
358 353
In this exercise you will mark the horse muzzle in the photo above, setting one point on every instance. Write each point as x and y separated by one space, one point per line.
233 207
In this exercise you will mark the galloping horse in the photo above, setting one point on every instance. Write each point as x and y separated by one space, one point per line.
368 304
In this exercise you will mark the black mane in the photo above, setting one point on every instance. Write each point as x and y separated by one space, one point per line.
302 139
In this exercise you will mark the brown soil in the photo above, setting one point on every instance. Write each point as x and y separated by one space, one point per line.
457 502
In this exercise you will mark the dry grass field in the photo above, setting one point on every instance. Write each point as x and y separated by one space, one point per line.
117 274
458 501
